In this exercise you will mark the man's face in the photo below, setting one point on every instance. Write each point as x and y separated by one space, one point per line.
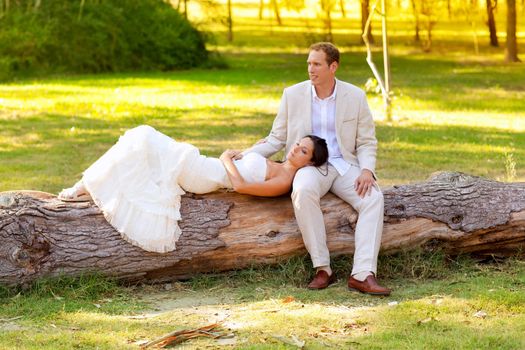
318 69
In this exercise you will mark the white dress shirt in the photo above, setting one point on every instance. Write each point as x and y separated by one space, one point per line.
323 125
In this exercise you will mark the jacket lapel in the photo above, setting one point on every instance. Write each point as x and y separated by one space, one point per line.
340 109
307 109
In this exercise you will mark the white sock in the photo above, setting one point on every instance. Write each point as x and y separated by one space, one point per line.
361 276
325 268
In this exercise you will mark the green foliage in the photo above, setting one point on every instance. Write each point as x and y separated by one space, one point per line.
112 35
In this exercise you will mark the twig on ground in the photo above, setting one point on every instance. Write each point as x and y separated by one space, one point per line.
185 334
10 319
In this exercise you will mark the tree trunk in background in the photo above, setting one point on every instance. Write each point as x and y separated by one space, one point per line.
365 12
230 22
276 11
460 214
491 22
186 9
326 6
449 9
342 6
81 9
417 39
511 53
473 16
261 8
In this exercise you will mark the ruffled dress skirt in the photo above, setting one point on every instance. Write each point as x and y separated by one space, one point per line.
139 181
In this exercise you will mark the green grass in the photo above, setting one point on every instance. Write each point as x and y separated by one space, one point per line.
452 111
441 304
449 115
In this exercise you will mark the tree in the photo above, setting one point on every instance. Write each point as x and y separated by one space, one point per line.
275 6
491 22
327 7
230 21
342 7
365 12
511 53
261 8
385 80
429 11
415 11
472 13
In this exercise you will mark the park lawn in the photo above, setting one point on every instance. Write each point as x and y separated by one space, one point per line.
464 306
448 115
452 111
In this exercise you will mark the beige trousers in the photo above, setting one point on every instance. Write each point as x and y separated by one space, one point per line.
309 186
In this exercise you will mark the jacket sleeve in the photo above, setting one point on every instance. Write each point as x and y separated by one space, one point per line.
366 142
276 140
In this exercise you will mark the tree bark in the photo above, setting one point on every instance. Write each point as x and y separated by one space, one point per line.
42 236
511 53
491 22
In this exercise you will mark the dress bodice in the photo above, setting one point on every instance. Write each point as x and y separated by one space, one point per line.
252 167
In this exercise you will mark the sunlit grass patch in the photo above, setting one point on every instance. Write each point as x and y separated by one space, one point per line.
52 129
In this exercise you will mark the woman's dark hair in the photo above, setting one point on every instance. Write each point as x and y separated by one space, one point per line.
320 152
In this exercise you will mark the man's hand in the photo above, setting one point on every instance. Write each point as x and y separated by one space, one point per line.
363 184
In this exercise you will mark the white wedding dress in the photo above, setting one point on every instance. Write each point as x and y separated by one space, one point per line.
139 181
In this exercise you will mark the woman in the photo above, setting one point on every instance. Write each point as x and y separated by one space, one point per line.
138 182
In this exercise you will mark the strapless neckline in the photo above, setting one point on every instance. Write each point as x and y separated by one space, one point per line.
252 167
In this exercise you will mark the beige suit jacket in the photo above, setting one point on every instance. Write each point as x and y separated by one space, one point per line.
354 124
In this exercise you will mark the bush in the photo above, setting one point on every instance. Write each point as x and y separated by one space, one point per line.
100 36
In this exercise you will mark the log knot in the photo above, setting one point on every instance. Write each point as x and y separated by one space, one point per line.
453 178
7 200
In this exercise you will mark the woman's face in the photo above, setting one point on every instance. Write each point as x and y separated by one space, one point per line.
301 153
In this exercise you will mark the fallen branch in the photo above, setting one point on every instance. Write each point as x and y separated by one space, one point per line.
181 336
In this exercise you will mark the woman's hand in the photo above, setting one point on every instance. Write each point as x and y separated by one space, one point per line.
230 154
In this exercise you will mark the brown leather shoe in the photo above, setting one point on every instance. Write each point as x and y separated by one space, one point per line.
321 280
368 286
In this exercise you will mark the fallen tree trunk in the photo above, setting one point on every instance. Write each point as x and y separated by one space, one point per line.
43 236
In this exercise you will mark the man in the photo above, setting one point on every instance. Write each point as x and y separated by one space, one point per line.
339 113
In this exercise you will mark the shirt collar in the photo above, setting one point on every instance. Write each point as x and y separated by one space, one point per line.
329 98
